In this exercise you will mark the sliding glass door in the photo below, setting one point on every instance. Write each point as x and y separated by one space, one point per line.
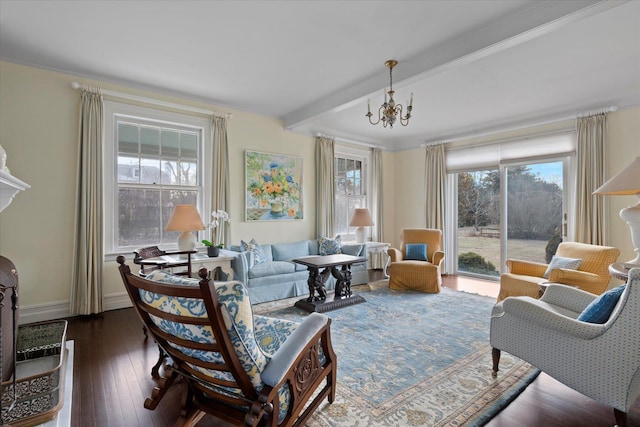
478 232
534 210
515 211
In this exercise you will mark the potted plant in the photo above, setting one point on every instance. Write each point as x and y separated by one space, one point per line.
217 224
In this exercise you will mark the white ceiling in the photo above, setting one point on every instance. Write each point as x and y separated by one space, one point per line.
474 66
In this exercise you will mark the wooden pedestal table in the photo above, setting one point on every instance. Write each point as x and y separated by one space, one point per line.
338 266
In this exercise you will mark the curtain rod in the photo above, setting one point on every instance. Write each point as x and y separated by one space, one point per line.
350 141
597 111
76 85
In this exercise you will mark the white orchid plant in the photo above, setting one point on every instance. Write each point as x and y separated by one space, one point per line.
218 220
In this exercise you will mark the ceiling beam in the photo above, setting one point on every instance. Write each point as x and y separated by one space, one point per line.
536 21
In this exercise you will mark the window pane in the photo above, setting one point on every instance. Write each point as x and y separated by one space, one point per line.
127 138
188 173
170 173
534 211
479 222
150 171
139 221
170 144
342 219
188 145
128 169
170 198
341 187
150 141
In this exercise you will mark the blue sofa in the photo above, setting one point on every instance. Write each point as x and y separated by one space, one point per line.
278 277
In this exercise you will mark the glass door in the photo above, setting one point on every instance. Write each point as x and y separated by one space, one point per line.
478 231
534 210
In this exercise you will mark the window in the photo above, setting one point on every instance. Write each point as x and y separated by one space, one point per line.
510 201
350 170
154 160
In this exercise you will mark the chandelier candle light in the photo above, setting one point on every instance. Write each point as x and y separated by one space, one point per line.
627 182
389 112
185 218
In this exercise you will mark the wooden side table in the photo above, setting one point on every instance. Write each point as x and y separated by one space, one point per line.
212 263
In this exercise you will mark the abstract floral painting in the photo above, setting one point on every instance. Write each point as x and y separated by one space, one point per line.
273 187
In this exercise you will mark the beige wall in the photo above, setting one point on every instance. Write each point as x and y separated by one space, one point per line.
623 144
38 129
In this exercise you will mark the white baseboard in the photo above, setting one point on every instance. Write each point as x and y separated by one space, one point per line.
61 309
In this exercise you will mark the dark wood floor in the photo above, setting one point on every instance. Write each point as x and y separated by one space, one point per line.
112 366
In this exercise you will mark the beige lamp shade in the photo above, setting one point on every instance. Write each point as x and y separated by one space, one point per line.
627 182
361 218
185 218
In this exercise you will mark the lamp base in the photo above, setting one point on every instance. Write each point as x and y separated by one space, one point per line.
361 235
631 215
187 241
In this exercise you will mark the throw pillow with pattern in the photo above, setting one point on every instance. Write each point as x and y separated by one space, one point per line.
255 251
330 246
562 262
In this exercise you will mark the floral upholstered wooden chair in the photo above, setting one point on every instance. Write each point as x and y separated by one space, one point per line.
418 263
244 369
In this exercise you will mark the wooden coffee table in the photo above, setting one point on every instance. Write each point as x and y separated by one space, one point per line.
338 266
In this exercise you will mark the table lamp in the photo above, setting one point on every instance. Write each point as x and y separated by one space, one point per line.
627 182
185 218
361 218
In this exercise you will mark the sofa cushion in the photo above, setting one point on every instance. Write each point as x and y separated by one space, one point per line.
271 269
330 246
288 251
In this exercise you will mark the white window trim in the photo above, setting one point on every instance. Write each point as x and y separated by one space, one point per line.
364 155
113 108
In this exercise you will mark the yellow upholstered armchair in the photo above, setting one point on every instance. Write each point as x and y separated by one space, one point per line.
417 264
524 277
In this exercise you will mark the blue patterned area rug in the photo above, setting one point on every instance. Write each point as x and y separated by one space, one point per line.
412 359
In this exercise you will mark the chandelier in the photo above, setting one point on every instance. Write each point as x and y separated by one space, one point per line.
389 111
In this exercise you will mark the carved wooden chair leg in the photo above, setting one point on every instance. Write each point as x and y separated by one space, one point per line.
158 392
621 418
495 355
191 420
155 371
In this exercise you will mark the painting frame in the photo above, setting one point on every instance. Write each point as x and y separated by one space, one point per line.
273 187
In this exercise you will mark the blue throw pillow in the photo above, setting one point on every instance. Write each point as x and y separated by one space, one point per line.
600 308
257 255
562 262
416 251
330 246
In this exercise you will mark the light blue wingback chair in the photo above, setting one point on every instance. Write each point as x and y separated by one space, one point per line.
599 360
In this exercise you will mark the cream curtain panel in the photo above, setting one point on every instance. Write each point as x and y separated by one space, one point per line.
435 186
377 195
220 186
325 201
589 219
86 290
